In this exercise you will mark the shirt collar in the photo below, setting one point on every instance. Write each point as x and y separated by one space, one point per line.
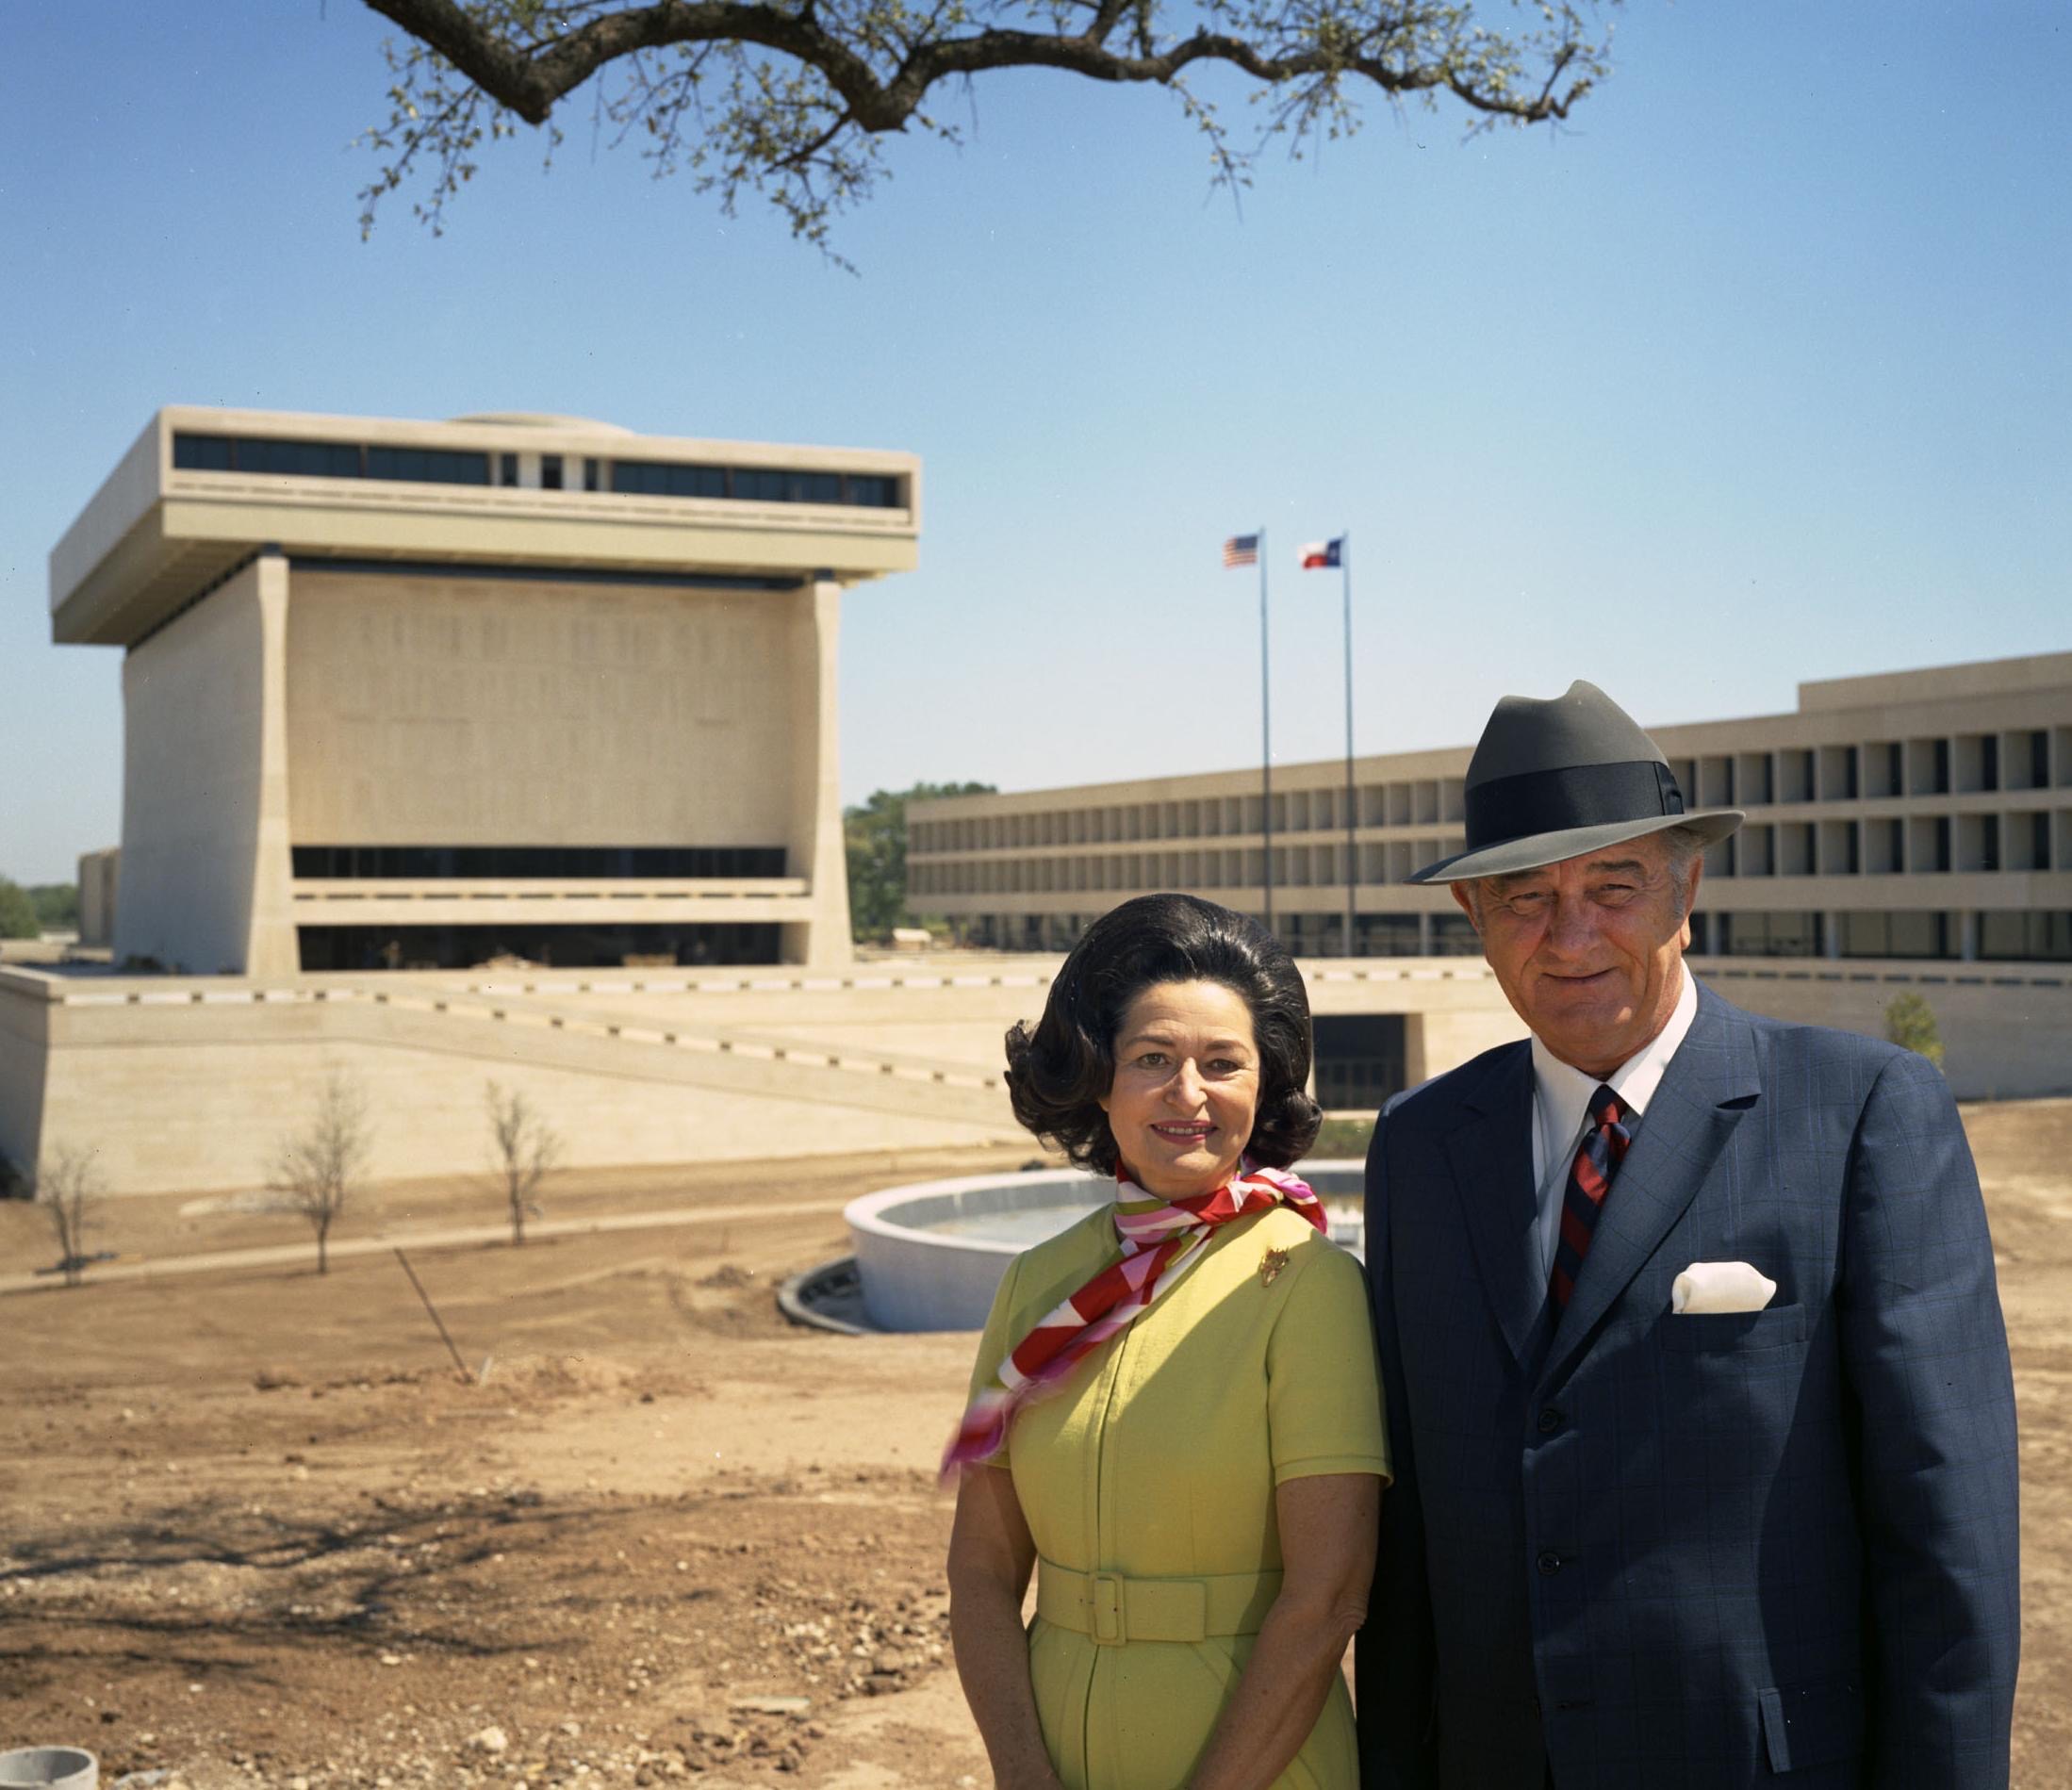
1565 1091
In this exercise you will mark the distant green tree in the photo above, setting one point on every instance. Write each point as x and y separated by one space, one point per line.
18 919
56 905
1910 1023
876 834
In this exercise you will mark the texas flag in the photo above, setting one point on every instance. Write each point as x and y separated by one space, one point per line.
1319 554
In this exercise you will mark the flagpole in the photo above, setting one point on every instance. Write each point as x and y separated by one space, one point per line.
1352 818
1266 747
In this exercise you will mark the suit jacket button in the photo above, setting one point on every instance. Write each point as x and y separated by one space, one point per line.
1550 1420
1550 1561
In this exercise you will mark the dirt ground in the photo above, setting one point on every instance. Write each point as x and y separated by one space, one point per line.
260 1532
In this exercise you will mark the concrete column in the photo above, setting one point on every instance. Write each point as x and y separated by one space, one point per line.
1831 934
1416 1067
271 947
205 871
1423 948
1968 936
815 842
99 877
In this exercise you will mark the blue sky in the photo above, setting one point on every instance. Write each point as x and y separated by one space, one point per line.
1761 371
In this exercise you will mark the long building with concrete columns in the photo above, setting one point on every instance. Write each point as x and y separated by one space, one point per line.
427 695
1909 817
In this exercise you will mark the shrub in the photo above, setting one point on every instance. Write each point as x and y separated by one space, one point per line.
1343 1136
1910 1023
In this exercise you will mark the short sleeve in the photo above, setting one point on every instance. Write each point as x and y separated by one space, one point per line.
994 1344
1323 1394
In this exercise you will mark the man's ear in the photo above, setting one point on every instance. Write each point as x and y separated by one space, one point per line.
1460 892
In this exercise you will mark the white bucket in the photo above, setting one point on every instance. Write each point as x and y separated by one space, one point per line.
49 1768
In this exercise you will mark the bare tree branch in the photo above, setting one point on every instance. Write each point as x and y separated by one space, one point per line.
530 83
527 1149
68 1189
804 87
319 1168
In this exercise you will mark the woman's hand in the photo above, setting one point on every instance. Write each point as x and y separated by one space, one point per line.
1328 1527
991 1555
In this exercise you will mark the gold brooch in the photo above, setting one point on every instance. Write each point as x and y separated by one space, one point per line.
1270 1264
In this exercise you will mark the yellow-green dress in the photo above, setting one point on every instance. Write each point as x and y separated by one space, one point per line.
1155 1462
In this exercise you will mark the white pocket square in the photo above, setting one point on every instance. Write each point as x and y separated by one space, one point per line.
1706 1286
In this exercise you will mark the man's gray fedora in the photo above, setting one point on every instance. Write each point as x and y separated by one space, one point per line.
1555 779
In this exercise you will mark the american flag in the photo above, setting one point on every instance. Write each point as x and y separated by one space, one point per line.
1240 549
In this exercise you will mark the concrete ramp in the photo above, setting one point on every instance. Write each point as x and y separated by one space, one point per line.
518 1032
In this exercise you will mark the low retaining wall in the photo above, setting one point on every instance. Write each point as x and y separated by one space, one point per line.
2006 1028
187 1084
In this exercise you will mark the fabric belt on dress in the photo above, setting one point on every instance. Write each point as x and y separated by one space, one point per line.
1113 1610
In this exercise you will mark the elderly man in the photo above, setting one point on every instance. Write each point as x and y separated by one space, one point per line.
1697 1383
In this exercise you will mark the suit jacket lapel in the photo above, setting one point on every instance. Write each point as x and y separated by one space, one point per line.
1709 1083
1490 1155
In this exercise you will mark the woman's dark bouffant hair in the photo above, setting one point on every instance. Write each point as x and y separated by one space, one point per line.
1058 1071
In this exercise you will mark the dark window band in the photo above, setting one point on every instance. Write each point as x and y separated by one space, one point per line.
523 864
193 452
328 460
754 484
461 948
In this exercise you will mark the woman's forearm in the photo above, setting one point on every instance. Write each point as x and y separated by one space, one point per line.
1328 1525
1281 1693
991 1649
991 1556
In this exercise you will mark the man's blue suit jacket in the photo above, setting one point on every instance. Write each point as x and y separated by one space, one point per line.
1642 1550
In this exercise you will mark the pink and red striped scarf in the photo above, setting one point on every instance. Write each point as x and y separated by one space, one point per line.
1158 1246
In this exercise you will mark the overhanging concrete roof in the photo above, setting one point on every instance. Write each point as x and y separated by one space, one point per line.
155 534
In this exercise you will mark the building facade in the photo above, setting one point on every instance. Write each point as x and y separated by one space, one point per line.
1914 815
410 695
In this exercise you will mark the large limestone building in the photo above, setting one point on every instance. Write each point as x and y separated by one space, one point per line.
425 695
407 702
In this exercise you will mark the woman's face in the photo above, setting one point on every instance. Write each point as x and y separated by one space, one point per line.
1186 1088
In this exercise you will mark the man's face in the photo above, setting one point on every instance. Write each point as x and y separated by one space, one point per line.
1589 951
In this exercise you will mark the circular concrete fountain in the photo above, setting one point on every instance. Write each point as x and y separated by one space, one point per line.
49 1768
930 1255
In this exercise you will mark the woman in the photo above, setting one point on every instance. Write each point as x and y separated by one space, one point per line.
1175 1407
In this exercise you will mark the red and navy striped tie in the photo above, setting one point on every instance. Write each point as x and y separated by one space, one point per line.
1604 1147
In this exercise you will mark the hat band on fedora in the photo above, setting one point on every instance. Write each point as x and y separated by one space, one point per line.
1534 802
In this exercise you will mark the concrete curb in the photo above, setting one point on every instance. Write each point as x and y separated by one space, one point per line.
795 1297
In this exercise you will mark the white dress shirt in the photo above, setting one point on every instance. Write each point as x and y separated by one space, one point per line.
1561 1107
